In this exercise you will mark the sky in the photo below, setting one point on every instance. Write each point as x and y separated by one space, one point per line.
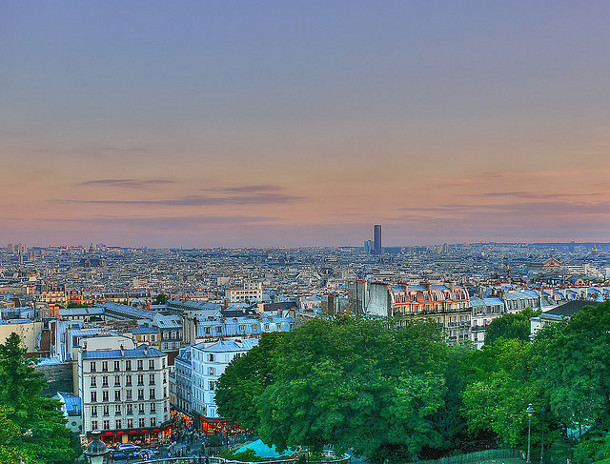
303 123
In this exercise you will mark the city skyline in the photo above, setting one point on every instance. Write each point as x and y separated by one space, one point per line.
304 123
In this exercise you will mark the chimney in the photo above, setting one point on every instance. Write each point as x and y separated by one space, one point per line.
148 305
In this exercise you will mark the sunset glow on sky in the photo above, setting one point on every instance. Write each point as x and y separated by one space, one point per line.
303 123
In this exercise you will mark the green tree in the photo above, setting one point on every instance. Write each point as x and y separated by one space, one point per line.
510 325
245 379
10 452
77 305
160 299
575 364
354 382
499 387
577 355
41 424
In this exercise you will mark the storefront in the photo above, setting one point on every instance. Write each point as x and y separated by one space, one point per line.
148 436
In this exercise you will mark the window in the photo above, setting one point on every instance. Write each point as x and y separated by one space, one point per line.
210 371
207 331
129 409
105 381
92 366
151 379
104 366
153 408
128 395
117 366
140 379
118 424
140 393
242 328
164 391
93 381
94 411
163 363
106 410
94 425
210 357
128 365
128 381
117 395
105 395
153 422
94 397
106 424
142 422
140 364
130 423
212 385
165 377
117 381
141 408
152 393
151 363
117 410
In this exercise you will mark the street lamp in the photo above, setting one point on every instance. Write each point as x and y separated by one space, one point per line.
97 449
530 412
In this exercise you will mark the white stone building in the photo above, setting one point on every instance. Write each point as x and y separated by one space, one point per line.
249 292
208 362
124 392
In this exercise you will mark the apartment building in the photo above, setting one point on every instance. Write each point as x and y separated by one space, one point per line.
208 362
249 292
124 391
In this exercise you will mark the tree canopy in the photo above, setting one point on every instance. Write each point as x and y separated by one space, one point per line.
354 382
37 425
511 325
564 372
395 390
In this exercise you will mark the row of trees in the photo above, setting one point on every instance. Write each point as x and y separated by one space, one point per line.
33 427
398 392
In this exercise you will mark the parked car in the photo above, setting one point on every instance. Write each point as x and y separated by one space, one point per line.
129 447
118 455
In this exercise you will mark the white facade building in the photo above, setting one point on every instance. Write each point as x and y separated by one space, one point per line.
208 362
124 392
249 292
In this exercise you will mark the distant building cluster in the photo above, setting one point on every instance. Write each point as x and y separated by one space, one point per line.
133 341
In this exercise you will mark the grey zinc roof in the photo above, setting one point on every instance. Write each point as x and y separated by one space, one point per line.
73 403
144 330
231 345
139 352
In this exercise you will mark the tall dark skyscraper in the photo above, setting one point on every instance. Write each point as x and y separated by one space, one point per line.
377 247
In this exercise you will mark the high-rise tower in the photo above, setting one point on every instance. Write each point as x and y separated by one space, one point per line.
377 247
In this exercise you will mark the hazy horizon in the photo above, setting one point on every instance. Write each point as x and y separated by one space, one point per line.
237 124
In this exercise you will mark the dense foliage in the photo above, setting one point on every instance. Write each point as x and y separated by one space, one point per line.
512 325
564 372
354 382
33 426
396 391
